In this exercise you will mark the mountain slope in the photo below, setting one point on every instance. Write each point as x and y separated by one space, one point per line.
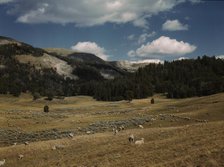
25 68
53 72
63 62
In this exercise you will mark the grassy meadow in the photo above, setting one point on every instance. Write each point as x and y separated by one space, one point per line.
183 132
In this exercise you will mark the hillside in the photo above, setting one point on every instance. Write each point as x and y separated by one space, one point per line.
25 68
60 72
133 66
176 79
186 132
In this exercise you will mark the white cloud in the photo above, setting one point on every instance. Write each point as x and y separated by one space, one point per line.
131 53
39 13
220 57
147 61
91 47
141 22
131 37
5 1
143 37
174 25
196 1
163 46
90 12
182 58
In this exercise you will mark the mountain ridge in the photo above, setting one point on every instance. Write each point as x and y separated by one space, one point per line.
25 68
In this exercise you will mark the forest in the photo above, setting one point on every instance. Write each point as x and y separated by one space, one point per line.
176 79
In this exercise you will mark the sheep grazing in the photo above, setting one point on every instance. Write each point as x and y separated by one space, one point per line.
58 146
2 162
121 127
115 131
140 126
88 132
53 148
139 142
20 156
131 138
26 143
71 135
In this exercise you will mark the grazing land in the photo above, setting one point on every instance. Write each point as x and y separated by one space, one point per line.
77 132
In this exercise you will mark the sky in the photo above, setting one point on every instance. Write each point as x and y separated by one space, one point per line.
118 29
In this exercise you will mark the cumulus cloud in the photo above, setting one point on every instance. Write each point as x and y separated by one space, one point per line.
220 57
38 13
91 47
174 25
131 53
143 37
5 1
163 46
196 1
131 37
89 12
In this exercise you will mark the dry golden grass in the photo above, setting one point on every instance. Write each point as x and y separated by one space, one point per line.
168 142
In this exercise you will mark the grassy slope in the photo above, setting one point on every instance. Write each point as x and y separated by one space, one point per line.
168 142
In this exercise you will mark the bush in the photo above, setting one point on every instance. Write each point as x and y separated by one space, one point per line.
46 108
152 101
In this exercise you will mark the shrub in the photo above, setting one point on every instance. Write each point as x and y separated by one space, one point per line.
46 108
152 101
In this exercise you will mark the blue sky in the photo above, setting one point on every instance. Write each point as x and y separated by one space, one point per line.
118 29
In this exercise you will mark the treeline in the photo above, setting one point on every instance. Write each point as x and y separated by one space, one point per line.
177 79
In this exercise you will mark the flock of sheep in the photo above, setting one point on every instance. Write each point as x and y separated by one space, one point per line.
116 130
131 138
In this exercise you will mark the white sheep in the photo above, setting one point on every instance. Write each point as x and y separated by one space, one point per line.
53 148
115 132
140 126
139 142
2 162
58 146
20 156
71 135
88 132
153 119
131 138
121 127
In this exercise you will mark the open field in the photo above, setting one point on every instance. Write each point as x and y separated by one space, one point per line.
186 132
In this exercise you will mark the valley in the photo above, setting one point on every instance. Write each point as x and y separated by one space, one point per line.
77 131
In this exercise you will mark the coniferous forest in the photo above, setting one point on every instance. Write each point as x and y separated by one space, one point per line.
176 79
